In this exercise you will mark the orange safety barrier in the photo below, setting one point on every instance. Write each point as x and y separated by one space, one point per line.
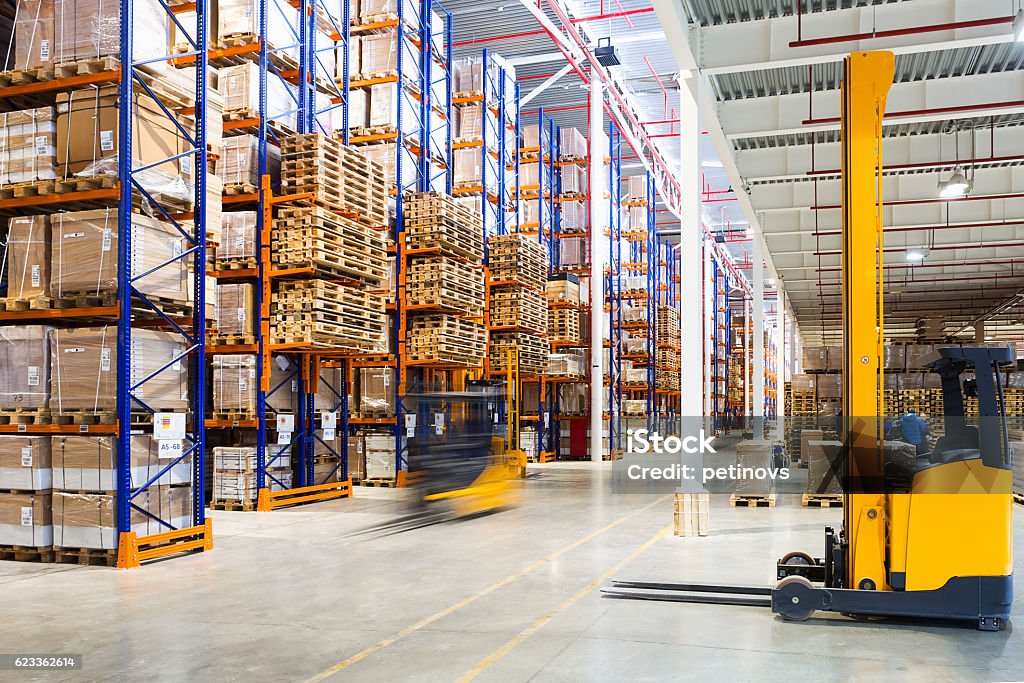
268 500
132 550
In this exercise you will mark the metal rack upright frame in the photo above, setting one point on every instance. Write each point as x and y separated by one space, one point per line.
613 289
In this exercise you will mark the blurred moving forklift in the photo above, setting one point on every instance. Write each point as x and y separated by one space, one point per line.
927 537
468 462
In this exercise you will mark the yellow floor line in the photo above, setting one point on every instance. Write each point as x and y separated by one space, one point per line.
566 604
359 656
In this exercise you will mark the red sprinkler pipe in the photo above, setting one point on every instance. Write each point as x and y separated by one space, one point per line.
895 33
927 112
930 164
937 200
929 228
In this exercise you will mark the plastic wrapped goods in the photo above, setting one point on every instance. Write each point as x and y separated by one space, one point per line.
27 257
824 466
238 240
240 85
84 255
88 29
471 122
380 455
84 370
575 216
89 520
33 35
242 18
25 519
25 462
236 309
895 358
572 144
468 75
377 392
89 463
378 54
467 165
234 384
28 145
24 366
752 456
240 161
814 358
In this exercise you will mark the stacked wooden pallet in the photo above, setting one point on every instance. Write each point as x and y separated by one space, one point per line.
667 380
564 324
446 339
325 314
517 258
668 359
519 307
668 326
533 352
445 282
434 221
337 176
314 237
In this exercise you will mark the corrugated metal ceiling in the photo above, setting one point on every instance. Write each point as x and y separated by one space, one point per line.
712 12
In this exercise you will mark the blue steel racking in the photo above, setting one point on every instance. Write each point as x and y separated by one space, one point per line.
653 270
133 308
613 288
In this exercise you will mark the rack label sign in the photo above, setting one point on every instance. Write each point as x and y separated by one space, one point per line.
329 434
169 449
328 420
285 423
169 426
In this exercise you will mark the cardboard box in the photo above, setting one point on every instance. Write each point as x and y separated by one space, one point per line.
531 136
28 257
377 392
468 75
565 287
236 309
753 455
814 358
571 143
380 456
385 99
89 463
471 122
24 366
378 53
240 86
88 142
26 519
824 466
25 463
242 486
84 255
240 161
467 166
238 239
28 145
84 366
234 384
574 181
242 18
89 520
87 29
358 112
243 459
573 252
357 457
33 34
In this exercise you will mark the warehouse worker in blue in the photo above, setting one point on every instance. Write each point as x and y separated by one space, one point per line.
915 431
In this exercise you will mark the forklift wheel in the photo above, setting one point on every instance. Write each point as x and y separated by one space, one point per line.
794 599
797 557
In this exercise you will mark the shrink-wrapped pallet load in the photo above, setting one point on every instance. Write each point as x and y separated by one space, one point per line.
25 463
25 519
824 466
91 29
28 146
239 162
24 367
234 385
379 450
753 458
238 241
236 311
377 392
240 86
27 258
89 520
33 39
90 463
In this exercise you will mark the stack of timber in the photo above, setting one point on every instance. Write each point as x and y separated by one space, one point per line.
668 326
445 282
564 325
331 244
533 352
338 177
517 259
518 313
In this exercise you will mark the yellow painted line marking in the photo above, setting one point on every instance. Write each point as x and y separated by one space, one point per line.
566 604
427 621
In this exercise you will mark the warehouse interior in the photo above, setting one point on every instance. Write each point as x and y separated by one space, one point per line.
329 330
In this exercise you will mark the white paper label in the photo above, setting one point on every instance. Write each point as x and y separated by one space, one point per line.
169 426
106 140
329 435
410 432
439 419
26 516
75 349
33 375
37 277
105 359
239 244
26 456
169 449
186 165
387 379
243 384
328 419
73 235
62 107
41 145
107 239
241 314
44 50
284 438
285 422
410 421
282 362
295 385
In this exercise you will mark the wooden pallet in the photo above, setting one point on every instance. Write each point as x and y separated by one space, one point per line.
233 505
467 94
366 131
231 339
437 221
85 417
235 263
313 237
25 416
380 482
93 557
37 303
24 76
1018 498
24 553
233 415
751 501
231 189
822 500
84 67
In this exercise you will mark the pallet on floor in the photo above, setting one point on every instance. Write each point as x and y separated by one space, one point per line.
1018 498
383 482
233 505
822 500
752 501
93 557
23 553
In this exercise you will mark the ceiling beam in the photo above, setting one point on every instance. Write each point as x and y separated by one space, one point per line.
766 43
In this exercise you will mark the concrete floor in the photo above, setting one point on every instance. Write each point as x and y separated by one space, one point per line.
293 596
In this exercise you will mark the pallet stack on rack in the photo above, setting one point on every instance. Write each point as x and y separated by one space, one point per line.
518 314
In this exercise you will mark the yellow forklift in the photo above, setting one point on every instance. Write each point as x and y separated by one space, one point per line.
927 537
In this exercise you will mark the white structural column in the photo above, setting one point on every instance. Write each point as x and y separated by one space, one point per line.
780 362
691 265
746 357
793 360
758 339
597 264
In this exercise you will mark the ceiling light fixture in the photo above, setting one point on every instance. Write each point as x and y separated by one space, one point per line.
917 253
957 186
711 163
1018 26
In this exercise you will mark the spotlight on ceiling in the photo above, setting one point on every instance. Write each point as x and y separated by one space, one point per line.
605 52
1018 26
957 186
917 253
